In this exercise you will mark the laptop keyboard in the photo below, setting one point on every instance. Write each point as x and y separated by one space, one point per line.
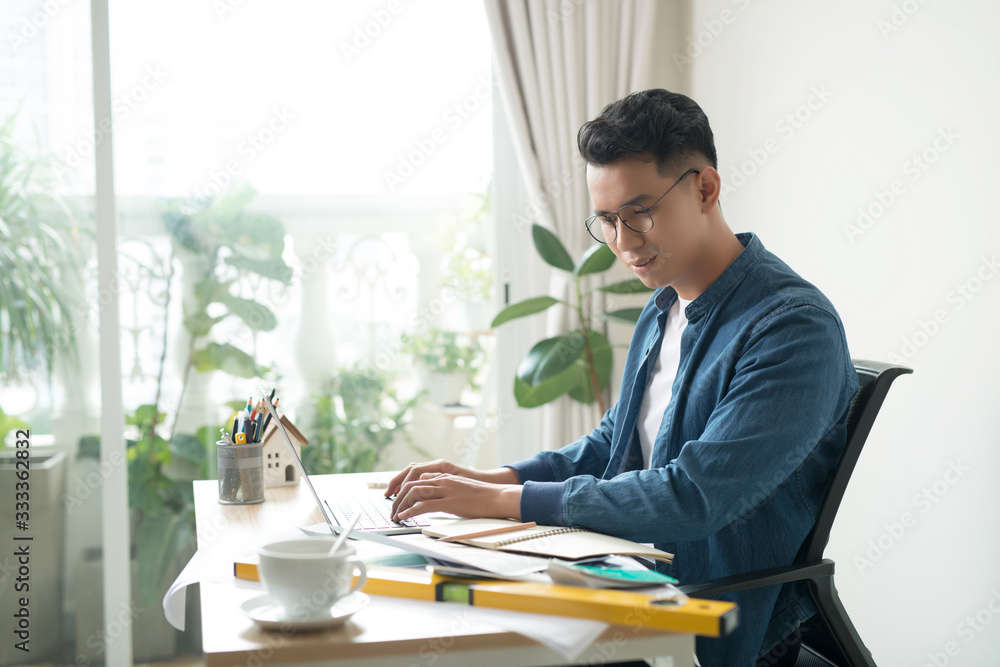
375 511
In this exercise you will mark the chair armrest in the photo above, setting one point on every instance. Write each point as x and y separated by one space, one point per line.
759 579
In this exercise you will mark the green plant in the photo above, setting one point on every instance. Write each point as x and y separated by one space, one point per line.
469 274
38 257
161 497
577 363
355 418
226 241
445 351
229 240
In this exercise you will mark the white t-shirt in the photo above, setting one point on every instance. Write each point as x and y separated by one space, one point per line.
659 386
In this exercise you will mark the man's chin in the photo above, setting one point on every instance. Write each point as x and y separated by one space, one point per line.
652 282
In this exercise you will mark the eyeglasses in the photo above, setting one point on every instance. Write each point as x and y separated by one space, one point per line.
604 228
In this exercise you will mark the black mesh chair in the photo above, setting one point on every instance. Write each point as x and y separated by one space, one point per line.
829 638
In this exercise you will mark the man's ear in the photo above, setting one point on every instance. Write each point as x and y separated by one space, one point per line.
710 187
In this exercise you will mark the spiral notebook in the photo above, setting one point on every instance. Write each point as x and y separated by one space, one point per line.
552 541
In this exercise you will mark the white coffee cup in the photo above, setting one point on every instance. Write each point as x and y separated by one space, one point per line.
305 578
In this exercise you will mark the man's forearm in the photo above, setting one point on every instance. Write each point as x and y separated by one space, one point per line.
500 476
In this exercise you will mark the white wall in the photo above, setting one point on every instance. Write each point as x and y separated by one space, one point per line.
889 80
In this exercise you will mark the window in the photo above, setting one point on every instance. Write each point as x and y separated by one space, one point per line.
363 130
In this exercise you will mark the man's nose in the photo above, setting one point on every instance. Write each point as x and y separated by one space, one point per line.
627 237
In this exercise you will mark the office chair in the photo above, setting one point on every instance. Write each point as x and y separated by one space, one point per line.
829 636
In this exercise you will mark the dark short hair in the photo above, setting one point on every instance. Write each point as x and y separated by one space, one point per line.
669 125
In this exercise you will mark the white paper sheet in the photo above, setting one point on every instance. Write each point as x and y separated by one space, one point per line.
199 568
569 637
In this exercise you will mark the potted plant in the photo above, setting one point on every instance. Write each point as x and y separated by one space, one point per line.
224 241
577 363
39 256
448 361
355 417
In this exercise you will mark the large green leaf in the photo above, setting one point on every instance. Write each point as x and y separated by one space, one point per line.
144 415
551 248
255 315
626 315
523 309
162 536
550 357
598 258
633 286
274 267
528 396
261 237
219 224
179 226
603 354
225 357
200 324
187 447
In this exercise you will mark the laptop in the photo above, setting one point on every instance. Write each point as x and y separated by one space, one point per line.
338 511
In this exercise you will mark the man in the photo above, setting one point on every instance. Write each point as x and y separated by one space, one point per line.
733 400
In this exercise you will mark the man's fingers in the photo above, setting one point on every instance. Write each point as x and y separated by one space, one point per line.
423 507
414 471
414 492
397 481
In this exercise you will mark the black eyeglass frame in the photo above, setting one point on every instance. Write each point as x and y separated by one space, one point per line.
646 210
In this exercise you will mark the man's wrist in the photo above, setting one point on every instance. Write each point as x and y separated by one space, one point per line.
502 476
510 501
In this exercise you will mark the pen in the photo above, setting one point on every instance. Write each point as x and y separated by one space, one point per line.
491 531
268 420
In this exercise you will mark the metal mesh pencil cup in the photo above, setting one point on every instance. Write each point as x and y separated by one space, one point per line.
241 473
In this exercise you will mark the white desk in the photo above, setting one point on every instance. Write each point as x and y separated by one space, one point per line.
390 632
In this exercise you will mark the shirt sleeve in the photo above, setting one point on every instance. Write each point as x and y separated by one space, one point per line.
587 456
791 383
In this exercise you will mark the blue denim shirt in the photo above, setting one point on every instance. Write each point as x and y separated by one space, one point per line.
744 452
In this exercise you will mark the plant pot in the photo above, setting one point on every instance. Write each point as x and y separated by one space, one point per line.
45 526
476 315
446 388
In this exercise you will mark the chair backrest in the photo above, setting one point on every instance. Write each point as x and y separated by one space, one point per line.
874 380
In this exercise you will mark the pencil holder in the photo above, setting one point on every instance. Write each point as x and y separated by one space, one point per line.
241 473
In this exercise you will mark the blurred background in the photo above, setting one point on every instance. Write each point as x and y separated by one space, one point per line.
329 196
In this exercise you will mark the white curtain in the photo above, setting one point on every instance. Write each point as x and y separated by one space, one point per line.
559 63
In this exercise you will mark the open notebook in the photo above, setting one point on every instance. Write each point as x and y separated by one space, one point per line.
552 541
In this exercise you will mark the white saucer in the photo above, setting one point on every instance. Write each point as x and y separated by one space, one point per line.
268 613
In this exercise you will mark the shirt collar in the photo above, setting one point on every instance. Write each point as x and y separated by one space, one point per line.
734 273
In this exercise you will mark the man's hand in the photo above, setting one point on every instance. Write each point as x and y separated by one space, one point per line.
445 486
465 497
440 466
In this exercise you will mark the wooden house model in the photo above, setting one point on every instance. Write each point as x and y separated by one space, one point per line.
279 468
